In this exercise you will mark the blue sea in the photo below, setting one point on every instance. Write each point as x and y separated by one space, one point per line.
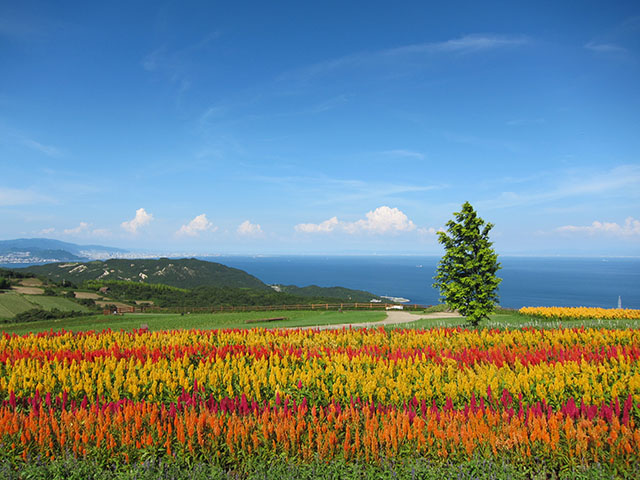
526 281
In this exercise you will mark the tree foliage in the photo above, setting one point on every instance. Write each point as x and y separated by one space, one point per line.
40 315
212 296
466 275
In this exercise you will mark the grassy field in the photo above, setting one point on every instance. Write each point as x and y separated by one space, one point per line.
512 319
64 304
197 321
12 303
164 321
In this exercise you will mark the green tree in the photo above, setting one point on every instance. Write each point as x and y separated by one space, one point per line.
4 284
466 275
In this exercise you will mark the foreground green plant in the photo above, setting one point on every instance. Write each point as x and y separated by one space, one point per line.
280 469
466 275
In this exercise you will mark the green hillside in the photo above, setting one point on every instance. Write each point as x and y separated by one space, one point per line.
210 296
182 273
12 303
200 283
347 294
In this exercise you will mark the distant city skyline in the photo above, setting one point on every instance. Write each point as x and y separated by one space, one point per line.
329 128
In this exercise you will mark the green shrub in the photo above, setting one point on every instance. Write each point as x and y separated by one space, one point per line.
87 302
279 469
38 314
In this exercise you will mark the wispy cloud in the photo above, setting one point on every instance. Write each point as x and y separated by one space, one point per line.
325 190
468 44
430 231
615 42
26 140
623 181
48 150
481 142
518 122
141 219
465 44
330 104
404 153
606 48
177 64
630 228
83 228
10 197
196 226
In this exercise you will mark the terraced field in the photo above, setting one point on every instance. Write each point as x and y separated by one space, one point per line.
12 303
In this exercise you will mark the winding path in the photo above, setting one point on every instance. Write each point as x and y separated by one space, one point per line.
394 317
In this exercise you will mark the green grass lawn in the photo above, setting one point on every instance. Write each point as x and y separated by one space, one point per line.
512 319
64 304
12 303
171 321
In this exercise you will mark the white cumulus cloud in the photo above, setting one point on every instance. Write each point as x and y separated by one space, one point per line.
197 225
631 227
250 229
141 219
381 220
324 227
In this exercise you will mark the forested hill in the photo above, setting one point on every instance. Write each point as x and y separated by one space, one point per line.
182 273
311 291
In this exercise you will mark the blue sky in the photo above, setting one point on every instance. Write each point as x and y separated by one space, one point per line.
324 127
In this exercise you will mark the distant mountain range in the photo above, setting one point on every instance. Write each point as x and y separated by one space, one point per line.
35 251
183 273
59 261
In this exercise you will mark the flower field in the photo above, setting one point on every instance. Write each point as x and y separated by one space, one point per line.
581 313
561 397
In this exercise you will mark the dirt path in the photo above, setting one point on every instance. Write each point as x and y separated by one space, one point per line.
393 318
28 290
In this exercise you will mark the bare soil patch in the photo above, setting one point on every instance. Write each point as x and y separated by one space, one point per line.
31 282
394 317
28 290
102 303
93 296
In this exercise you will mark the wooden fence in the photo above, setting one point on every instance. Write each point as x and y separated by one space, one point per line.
267 308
